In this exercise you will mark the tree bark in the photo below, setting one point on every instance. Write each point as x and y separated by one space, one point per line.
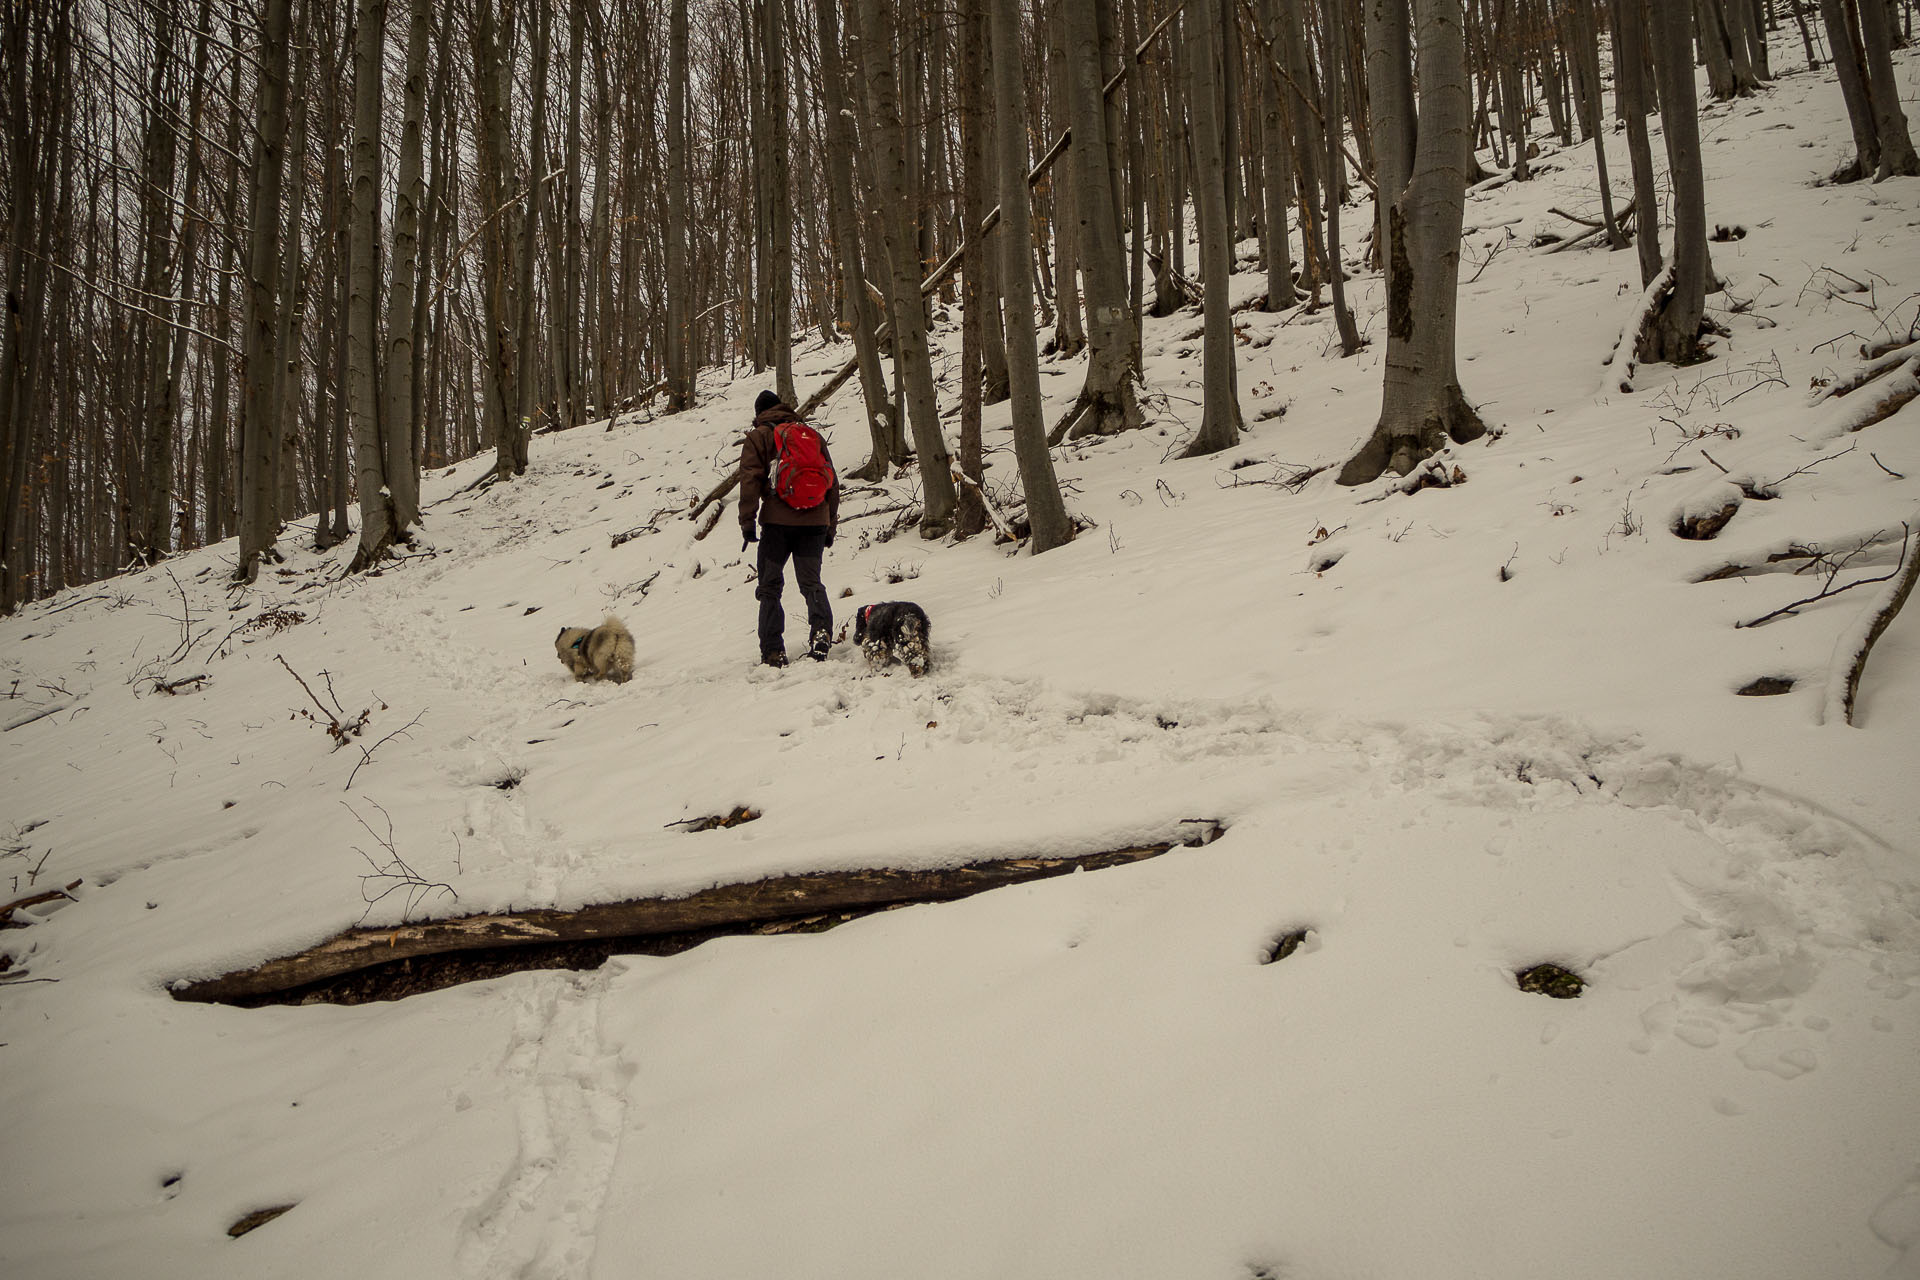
680 365
1106 405
363 358
899 223
1673 334
389 474
1220 423
1421 402
1046 511
259 521
975 182
1630 74
883 427
1897 157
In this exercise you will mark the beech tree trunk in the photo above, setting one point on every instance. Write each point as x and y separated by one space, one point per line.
259 519
1897 157
899 232
363 358
1106 405
1422 406
1220 423
1673 334
389 478
1630 46
975 183
1046 511
883 426
680 367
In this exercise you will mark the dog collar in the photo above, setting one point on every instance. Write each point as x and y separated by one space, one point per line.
864 611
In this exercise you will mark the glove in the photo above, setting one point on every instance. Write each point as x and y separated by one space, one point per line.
747 538
830 533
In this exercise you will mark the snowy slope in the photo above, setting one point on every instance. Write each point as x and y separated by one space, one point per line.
1460 732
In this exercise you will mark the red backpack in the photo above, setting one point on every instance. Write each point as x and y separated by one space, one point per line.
801 475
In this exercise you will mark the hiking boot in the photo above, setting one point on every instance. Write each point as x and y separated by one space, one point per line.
818 643
773 659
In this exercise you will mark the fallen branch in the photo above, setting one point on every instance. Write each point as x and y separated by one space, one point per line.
986 500
1828 591
669 924
718 492
880 511
1844 683
337 728
1618 368
1559 245
34 900
20 722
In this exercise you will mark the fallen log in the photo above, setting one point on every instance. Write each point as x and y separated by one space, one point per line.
666 925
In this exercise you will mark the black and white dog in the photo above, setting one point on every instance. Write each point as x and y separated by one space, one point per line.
896 631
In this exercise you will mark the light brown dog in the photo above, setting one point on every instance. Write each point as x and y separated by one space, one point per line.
604 652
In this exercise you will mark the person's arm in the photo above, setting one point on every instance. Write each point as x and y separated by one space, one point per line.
753 482
833 495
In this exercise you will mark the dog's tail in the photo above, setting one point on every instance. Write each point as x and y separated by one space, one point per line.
620 657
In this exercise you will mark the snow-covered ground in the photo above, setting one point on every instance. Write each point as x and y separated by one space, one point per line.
1450 734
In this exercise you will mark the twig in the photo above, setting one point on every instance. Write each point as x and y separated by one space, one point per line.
366 753
1884 467
1829 590
417 887
1810 466
1907 570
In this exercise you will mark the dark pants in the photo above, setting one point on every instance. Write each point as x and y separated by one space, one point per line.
806 545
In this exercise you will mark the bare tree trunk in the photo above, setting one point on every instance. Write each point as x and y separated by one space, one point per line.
1584 58
975 187
898 228
1673 335
149 492
1220 422
1336 170
1630 74
35 56
884 429
1897 156
1106 405
390 508
1046 512
780 212
680 364
527 381
1069 334
288 370
1421 402
259 522
363 356
1391 114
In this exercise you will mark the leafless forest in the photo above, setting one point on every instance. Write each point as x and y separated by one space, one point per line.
271 258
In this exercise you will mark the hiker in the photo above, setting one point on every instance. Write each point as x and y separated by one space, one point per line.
787 480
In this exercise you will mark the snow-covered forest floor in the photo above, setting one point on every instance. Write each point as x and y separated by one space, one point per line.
1449 734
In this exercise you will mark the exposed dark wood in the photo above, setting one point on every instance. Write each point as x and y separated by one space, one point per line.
724 908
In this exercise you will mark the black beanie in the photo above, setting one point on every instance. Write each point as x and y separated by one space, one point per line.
764 401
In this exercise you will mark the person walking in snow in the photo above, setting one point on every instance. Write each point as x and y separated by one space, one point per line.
787 483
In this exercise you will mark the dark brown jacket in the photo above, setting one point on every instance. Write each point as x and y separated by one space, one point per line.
758 449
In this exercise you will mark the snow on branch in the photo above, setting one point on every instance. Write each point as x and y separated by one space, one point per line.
1618 368
1850 653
